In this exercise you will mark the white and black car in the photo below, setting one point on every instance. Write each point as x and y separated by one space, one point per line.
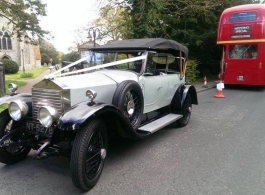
131 88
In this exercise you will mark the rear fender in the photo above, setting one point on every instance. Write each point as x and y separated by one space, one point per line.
193 94
80 114
181 94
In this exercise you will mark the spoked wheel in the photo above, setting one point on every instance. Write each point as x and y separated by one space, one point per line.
88 155
185 111
129 99
132 106
11 154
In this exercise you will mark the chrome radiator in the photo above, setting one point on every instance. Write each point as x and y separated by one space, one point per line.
46 97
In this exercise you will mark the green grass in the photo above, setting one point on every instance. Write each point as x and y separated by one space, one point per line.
36 72
3 107
18 83
13 78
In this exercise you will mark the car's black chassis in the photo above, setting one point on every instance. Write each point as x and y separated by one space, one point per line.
45 140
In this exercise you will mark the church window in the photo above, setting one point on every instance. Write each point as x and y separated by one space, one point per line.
5 41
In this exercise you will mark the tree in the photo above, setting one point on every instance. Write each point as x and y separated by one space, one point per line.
111 22
48 52
71 57
80 35
23 15
193 23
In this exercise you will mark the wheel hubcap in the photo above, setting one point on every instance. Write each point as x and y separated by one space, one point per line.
130 107
103 153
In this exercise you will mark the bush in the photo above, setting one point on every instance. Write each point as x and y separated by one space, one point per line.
11 67
191 71
26 75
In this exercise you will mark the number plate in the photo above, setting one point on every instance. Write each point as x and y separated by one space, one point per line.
240 78
33 126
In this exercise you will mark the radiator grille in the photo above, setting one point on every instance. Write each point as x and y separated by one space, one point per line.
46 97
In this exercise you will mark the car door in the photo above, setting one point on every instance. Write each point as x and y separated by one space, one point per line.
174 80
173 84
155 89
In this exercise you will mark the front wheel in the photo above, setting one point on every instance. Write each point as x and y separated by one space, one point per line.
185 111
12 154
88 155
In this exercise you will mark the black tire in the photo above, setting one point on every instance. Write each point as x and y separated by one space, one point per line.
89 152
185 111
16 153
128 97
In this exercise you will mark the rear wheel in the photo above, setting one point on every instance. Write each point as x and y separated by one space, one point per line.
12 154
88 155
185 111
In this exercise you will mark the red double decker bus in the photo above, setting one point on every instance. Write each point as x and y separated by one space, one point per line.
241 31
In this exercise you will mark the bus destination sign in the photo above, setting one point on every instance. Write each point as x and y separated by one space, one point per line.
241 29
240 36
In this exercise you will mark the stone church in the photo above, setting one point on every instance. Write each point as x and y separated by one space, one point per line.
25 54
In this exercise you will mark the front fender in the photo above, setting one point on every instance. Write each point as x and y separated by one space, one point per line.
77 116
26 97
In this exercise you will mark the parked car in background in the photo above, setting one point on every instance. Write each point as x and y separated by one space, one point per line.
132 88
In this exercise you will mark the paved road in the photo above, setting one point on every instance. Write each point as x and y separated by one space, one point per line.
221 151
31 82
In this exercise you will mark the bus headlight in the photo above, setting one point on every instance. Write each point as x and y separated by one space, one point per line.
17 110
47 115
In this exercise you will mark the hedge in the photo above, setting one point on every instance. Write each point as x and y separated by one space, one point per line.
11 67
191 71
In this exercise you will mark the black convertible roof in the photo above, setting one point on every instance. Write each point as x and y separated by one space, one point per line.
139 44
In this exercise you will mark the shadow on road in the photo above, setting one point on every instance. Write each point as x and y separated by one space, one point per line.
53 174
245 87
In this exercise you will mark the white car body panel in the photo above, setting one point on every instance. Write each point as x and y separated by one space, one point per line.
159 90
120 75
79 84
173 84
155 92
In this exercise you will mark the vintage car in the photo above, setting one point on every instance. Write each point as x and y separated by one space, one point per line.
131 88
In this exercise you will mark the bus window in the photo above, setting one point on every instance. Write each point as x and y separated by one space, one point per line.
243 51
243 16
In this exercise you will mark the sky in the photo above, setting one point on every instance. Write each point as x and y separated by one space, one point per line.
64 17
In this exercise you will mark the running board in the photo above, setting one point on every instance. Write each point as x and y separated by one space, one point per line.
160 123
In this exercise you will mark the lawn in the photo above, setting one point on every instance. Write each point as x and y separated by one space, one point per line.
18 83
15 78
3 107
36 72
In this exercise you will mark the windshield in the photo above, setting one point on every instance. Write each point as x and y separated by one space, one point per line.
148 63
99 58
